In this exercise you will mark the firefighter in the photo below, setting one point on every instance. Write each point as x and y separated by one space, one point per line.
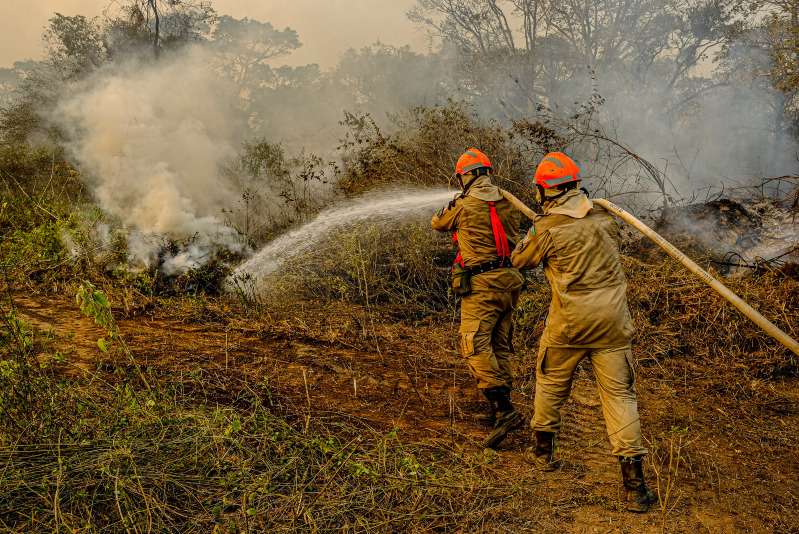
577 244
481 220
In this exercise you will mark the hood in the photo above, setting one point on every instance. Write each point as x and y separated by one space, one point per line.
483 189
574 204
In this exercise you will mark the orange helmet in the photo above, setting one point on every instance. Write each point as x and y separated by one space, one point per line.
556 169
470 160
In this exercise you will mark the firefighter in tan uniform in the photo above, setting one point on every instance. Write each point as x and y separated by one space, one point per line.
481 220
577 244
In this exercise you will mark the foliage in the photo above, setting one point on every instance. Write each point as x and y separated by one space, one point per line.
158 25
39 212
539 47
246 46
206 279
767 53
400 268
74 45
164 466
78 46
277 190
427 142
670 310
94 303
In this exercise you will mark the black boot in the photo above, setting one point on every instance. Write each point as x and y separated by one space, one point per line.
489 418
542 454
637 495
508 419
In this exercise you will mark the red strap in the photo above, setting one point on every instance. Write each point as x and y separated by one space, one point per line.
459 257
500 237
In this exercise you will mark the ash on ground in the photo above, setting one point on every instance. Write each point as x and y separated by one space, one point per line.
737 236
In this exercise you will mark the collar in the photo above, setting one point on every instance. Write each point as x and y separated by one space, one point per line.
573 204
483 189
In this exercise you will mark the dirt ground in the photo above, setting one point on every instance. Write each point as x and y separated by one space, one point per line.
722 462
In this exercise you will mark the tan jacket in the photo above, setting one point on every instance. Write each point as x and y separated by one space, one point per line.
470 217
577 243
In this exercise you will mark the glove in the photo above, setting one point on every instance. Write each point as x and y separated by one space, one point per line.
447 207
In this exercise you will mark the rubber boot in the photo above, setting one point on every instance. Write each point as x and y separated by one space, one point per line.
542 454
637 495
508 419
489 418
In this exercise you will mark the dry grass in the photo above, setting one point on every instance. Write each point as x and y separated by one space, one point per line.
214 448
175 439
395 268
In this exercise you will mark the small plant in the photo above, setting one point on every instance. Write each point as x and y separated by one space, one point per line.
245 288
94 304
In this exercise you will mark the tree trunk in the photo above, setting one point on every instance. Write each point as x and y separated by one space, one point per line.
156 36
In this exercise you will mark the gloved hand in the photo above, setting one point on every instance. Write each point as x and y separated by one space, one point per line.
449 206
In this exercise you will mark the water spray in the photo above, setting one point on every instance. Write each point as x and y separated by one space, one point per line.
742 306
369 207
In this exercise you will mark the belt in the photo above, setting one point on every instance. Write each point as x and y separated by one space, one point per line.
500 263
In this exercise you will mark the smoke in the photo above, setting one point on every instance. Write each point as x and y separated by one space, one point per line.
712 130
150 138
727 136
167 146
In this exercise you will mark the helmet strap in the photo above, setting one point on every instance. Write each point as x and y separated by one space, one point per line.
542 193
550 198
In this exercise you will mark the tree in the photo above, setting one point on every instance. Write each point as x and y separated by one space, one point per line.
246 47
765 58
384 78
74 45
566 39
779 36
75 48
12 80
159 24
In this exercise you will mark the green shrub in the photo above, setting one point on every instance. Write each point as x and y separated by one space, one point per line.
40 175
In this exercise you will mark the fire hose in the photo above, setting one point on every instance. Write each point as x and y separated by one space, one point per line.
754 315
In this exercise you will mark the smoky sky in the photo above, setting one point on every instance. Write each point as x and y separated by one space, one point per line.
327 28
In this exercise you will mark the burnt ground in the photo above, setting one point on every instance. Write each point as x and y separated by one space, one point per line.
722 460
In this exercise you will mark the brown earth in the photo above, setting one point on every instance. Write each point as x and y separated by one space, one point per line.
722 462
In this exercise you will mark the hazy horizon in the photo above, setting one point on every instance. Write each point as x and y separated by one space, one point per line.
326 29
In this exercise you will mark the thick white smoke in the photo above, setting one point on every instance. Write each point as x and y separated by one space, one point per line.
725 137
150 138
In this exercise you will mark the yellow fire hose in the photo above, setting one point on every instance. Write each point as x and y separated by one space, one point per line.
756 317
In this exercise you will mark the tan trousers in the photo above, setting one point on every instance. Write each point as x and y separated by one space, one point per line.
615 379
486 336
